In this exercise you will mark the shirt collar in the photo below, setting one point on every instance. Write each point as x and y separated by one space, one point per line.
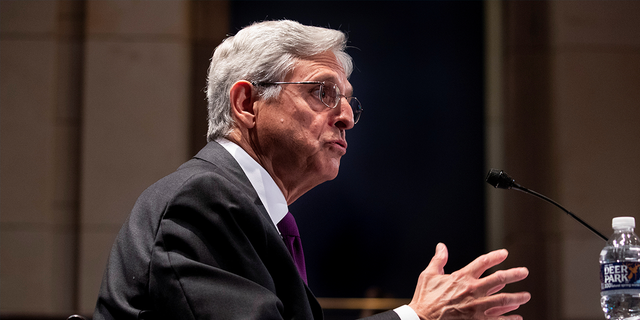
267 189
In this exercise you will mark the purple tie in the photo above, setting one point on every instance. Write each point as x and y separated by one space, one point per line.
291 237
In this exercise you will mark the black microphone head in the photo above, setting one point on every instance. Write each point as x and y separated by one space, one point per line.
499 179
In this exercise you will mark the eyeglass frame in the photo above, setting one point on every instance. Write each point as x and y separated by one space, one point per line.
356 113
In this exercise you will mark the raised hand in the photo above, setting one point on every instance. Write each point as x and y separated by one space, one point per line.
463 294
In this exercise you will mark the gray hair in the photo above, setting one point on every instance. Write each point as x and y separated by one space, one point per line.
264 52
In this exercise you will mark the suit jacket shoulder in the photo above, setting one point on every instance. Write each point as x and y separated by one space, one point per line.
199 244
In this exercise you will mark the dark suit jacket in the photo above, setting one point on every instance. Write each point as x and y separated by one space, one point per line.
199 244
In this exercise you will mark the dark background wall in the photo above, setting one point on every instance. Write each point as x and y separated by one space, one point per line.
413 175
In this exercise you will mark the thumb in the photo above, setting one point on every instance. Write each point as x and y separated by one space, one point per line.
439 260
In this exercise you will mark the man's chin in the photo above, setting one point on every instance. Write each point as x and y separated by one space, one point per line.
333 173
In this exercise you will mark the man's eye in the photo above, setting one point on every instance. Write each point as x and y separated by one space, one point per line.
318 92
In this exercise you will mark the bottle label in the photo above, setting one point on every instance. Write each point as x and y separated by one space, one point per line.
619 275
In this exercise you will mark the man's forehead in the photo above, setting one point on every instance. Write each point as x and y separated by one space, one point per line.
322 67
324 62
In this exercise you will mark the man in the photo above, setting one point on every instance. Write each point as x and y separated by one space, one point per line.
206 241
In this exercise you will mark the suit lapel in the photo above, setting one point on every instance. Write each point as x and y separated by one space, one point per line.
217 155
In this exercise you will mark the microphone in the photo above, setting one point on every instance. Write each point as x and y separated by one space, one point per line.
500 179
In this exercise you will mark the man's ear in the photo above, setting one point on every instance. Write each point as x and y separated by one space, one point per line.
242 98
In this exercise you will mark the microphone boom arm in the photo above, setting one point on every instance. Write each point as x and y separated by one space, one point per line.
500 179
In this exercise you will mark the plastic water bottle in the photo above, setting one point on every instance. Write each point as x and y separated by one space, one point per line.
619 272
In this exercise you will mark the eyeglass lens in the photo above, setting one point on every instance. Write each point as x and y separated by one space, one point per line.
330 96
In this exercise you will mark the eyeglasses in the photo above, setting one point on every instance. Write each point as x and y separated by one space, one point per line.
328 93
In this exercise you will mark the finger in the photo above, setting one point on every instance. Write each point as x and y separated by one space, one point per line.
495 289
498 304
509 317
439 260
500 310
495 282
482 263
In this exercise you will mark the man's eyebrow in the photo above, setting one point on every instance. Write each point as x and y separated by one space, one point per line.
348 91
326 77
333 79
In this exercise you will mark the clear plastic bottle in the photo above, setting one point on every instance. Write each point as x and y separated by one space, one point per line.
620 272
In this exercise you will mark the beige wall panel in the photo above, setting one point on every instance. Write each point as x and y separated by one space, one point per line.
135 118
33 277
65 175
580 298
27 100
135 123
135 132
598 134
38 132
95 248
596 72
586 90
166 18
62 256
595 22
25 271
69 83
32 17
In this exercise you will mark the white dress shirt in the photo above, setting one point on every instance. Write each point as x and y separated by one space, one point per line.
267 189
274 201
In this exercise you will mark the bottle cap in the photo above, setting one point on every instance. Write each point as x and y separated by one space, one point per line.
623 222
